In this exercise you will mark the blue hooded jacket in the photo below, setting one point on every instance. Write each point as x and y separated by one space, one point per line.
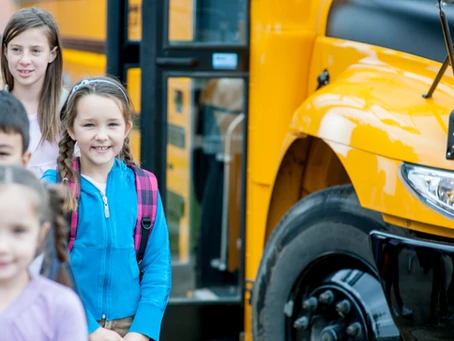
104 260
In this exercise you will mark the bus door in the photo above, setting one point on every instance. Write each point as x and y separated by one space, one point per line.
194 61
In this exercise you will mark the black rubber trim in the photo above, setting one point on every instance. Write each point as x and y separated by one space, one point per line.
176 62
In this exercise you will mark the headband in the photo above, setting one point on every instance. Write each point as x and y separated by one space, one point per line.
87 81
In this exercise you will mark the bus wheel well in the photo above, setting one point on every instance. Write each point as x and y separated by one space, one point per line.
308 166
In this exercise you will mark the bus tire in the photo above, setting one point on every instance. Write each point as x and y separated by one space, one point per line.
323 234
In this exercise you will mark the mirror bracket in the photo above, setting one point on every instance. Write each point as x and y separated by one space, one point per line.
449 48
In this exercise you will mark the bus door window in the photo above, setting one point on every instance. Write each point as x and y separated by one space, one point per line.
204 162
207 21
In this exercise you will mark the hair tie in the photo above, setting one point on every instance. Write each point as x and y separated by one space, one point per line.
65 180
90 81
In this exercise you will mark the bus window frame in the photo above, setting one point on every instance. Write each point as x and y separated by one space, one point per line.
199 45
154 78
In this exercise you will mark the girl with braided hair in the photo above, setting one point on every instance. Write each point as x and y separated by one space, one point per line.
123 300
31 306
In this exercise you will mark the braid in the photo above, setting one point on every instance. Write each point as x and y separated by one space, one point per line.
56 199
65 169
60 228
126 155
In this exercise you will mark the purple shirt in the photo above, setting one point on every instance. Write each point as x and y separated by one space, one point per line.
44 311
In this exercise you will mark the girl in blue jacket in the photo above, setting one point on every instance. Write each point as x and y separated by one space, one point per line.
120 304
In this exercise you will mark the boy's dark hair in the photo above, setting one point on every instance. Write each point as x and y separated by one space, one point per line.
13 118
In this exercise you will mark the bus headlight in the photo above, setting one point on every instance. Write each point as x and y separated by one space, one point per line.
433 187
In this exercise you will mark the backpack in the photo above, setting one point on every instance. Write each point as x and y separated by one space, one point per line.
147 198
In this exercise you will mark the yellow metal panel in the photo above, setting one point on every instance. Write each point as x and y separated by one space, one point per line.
134 142
76 18
414 225
275 15
377 105
78 65
275 77
135 20
282 38
178 158
324 7
281 45
377 184
133 85
181 20
289 182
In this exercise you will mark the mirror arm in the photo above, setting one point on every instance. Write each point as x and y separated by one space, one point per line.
449 48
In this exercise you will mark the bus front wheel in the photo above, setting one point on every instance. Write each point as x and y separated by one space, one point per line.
316 280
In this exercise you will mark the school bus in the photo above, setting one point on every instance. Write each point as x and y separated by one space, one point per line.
304 152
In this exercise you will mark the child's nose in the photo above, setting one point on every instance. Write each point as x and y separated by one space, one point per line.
101 135
25 60
3 244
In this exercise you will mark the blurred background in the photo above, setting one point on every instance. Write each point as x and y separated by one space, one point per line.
7 9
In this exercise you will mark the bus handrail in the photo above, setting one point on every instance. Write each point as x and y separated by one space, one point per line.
221 263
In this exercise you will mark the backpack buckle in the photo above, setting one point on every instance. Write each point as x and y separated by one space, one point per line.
146 223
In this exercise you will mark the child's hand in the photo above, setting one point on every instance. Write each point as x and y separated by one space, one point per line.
102 334
136 337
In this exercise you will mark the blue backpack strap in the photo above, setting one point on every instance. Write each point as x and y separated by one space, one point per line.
147 199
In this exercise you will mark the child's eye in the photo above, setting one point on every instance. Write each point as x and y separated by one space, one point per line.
19 230
36 51
4 154
15 49
89 125
113 124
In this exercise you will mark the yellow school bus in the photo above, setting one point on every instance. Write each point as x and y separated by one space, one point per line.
304 151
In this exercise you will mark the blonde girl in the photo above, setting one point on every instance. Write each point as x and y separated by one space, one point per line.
31 64
33 307
121 303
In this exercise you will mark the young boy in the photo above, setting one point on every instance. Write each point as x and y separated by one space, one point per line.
14 142
14 127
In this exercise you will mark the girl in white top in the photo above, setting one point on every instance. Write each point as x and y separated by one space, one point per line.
32 65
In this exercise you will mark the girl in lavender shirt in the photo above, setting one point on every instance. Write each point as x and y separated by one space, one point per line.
33 307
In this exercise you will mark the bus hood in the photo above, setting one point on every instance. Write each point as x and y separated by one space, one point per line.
380 109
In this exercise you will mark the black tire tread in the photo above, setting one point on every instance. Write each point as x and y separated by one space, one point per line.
344 198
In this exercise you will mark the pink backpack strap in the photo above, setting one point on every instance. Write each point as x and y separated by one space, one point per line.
147 199
74 220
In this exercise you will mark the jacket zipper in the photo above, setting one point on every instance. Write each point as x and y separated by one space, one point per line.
106 207
109 246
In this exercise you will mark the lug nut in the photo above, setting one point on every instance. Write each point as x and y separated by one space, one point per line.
327 297
328 335
333 333
310 304
355 329
301 323
343 307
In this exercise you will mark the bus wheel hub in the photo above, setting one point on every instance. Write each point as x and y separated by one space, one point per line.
348 305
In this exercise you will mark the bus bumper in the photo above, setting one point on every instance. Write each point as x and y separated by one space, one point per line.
417 278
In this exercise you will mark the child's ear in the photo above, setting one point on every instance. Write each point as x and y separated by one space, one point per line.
26 157
43 233
53 54
128 128
71 133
